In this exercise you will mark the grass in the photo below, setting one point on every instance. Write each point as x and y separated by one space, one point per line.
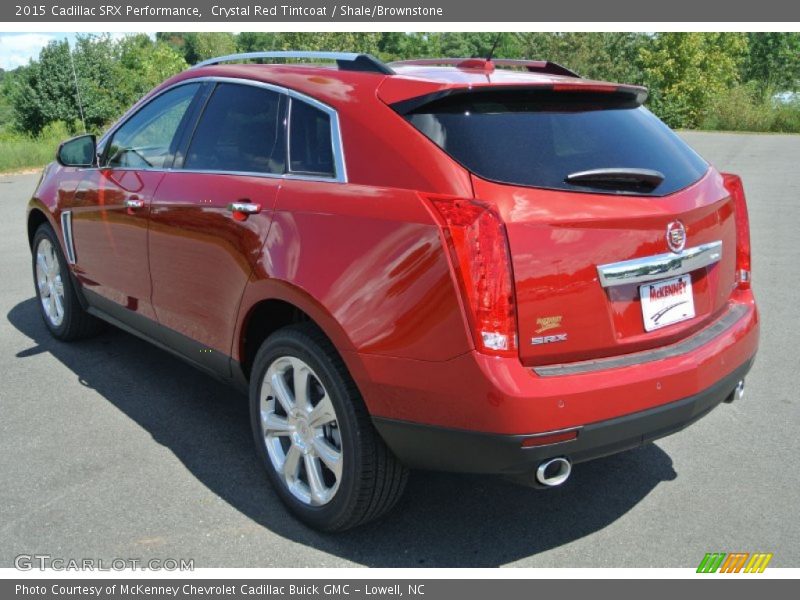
19 151
26 153
743 108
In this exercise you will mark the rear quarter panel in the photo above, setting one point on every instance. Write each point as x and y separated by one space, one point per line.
367 264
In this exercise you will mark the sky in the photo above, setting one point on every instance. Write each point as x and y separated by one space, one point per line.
16 49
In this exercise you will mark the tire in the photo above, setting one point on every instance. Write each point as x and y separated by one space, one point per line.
66 319
357 477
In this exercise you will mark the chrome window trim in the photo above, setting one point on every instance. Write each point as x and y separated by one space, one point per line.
69 242
340 168
659 266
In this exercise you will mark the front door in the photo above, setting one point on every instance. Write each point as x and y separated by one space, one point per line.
111 205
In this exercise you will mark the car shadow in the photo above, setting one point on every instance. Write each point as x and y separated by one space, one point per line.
443 520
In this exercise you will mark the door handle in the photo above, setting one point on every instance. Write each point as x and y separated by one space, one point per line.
247 208
242 210
133 203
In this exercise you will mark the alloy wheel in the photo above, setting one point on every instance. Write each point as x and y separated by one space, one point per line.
49 282
301 432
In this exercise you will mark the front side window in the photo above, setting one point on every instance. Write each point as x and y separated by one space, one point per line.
240 130
146 140
310 146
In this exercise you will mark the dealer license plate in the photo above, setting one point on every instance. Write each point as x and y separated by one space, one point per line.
666 302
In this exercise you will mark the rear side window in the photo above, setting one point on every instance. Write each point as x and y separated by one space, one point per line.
310 145
537 138
240 130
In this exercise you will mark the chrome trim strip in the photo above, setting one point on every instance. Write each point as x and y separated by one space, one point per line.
733 315
66 229
650 268
336 133
575 428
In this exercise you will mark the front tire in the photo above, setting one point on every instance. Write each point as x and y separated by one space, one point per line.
57 298
314 435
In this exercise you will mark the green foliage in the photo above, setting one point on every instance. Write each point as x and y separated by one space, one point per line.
111 75
750 108
686 71
20 151
773 60
145 64
599 55
203 45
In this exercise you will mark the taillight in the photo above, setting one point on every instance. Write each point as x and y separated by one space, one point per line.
479 247
733 184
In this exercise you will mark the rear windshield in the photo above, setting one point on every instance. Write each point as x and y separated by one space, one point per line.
537 138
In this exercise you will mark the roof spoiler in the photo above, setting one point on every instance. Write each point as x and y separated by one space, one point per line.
488 65
626 95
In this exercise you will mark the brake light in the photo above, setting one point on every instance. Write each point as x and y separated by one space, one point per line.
733 184
479 247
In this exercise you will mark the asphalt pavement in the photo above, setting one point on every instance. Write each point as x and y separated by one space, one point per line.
111 448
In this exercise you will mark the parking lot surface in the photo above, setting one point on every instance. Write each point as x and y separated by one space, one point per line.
112 448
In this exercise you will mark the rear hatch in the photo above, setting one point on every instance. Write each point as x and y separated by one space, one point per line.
585 179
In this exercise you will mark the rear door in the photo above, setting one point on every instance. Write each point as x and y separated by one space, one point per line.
111 204
210 215
571 232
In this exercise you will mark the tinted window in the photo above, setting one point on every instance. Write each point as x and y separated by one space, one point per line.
240 130
310 146
538 138
146 140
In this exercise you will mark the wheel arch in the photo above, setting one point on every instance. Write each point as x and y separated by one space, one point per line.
269 305
36 217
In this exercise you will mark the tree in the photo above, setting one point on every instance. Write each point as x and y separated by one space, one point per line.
773 61
686 71
109 75
599 55
44 91
146 64
256 41
203 45
397 45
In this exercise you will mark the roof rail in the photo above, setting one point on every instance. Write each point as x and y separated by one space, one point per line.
488 65
345 61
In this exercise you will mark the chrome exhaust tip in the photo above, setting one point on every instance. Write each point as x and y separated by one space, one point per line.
737 393
553 472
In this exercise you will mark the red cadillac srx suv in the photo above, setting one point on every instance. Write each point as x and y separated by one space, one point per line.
482 266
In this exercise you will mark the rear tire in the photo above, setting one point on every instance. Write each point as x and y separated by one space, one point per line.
322 454
56 295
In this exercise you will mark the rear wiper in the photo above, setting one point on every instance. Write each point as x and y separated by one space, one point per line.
623 179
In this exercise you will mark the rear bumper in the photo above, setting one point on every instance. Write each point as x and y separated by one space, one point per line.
458 450
491 395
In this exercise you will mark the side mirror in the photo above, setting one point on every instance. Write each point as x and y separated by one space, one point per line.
79 151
